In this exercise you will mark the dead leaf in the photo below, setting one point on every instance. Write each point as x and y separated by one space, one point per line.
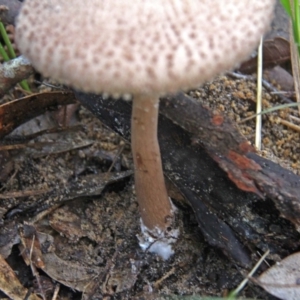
10 285
17 112
70 225
9 236
283 279
275 52
30 247
281 77
70 274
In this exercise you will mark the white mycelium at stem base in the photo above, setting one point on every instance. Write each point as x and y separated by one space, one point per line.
141 47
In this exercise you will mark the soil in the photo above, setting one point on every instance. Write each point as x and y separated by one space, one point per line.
236 98
94 248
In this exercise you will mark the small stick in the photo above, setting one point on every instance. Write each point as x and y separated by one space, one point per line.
259 97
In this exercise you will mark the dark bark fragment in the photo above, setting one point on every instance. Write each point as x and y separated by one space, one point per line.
224 143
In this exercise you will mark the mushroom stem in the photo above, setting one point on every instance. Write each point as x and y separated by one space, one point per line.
154 204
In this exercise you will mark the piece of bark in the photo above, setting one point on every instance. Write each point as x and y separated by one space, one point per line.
235 156
228 217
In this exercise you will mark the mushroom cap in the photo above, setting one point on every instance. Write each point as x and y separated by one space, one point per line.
140 46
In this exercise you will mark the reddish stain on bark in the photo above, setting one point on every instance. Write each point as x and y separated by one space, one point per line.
243 183
245 147
217 120
242 162
236 167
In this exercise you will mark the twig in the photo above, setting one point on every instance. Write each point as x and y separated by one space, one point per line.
56 291
259 97
34 270
290 125
234 293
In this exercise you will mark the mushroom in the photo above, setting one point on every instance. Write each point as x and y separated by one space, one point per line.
145 48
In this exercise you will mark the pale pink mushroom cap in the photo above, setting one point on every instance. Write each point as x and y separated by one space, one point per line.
140 46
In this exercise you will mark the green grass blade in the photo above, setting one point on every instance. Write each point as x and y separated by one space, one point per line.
296 22
11 53
3 53
10 49
287 7
24 85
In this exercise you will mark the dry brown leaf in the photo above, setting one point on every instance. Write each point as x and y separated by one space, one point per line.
70 225
17 112
72 275
30 247
281 77
10 285
275 52
283 279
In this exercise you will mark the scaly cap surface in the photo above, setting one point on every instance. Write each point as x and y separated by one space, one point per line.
140 46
